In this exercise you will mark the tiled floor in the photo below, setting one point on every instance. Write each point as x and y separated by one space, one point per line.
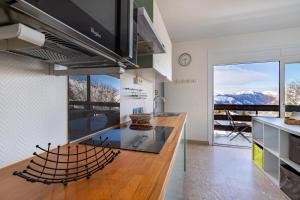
222 173
221 137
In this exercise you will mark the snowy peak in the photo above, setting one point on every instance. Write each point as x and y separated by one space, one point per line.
248 98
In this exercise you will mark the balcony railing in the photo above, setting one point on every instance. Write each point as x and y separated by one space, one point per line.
238 117
89 117
83 103
292 108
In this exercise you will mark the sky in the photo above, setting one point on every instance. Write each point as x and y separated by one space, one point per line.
108 80
259 77
292 72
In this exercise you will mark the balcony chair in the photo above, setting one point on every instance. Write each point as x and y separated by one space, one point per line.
237 127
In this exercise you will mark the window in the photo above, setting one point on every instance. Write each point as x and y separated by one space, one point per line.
94 104
105 89
247 84
246 90
292 87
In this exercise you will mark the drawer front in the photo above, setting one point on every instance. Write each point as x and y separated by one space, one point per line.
294 149
258 155
290 182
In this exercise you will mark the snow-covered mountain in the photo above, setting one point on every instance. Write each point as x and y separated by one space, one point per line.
248 98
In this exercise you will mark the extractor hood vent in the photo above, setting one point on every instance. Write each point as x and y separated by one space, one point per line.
43 45
63 43
148 39
30 32
55 50
43 54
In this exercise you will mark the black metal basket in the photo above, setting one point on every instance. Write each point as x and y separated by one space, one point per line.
67 163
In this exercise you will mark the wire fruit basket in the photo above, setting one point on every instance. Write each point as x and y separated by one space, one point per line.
68 163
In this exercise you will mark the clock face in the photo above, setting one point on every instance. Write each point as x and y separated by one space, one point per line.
185 59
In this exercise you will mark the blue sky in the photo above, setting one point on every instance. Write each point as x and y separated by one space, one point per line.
292 72
258 77
108 80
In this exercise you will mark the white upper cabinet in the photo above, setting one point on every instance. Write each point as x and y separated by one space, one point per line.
159 63
162 62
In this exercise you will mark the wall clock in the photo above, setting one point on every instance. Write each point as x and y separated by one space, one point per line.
185 59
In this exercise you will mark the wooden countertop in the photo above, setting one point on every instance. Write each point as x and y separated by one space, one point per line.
132 175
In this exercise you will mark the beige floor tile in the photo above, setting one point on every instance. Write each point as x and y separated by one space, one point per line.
223 173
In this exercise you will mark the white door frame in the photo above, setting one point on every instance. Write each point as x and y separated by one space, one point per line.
211 91
284 54
284 61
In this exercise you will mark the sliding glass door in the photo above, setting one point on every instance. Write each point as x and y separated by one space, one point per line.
253 89
240 92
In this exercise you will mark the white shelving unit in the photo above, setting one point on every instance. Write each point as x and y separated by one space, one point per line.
273 135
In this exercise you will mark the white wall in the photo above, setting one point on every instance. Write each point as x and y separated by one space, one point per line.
33 108
192 89
127 103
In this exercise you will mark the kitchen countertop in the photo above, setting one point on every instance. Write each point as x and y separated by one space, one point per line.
132 175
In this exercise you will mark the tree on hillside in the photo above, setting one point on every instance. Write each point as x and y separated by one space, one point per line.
99 92
77 90
293 93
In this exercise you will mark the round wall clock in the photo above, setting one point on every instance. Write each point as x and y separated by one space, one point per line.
185 59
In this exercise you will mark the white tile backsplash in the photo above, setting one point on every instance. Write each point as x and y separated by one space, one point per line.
128 104
33 108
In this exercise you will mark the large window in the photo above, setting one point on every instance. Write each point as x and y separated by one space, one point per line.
292 87
94 104
245 90
247 84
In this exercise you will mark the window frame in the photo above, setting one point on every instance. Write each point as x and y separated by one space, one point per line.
283 86
88 105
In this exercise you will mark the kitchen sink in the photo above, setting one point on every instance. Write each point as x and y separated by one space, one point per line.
167 114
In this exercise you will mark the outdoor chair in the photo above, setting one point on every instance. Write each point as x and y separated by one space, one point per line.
237 127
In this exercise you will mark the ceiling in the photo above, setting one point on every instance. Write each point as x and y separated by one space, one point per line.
197 19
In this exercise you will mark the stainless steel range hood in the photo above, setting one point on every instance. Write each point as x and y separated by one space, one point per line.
28 31
148 39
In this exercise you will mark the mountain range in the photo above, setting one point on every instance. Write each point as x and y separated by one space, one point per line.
248 98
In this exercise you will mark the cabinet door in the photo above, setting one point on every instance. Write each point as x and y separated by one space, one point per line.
175 188
162 62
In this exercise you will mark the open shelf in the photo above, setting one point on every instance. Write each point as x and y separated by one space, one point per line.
257 130
272 177
259 141
271 139
271 166
273 135
284 144
272 152
294 165
284 150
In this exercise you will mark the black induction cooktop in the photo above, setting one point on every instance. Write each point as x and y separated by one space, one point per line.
145 139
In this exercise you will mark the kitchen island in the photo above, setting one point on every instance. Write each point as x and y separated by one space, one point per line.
132 175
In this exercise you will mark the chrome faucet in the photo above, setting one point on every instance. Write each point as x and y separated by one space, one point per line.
155 103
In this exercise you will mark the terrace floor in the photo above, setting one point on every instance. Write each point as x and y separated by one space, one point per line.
222 138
